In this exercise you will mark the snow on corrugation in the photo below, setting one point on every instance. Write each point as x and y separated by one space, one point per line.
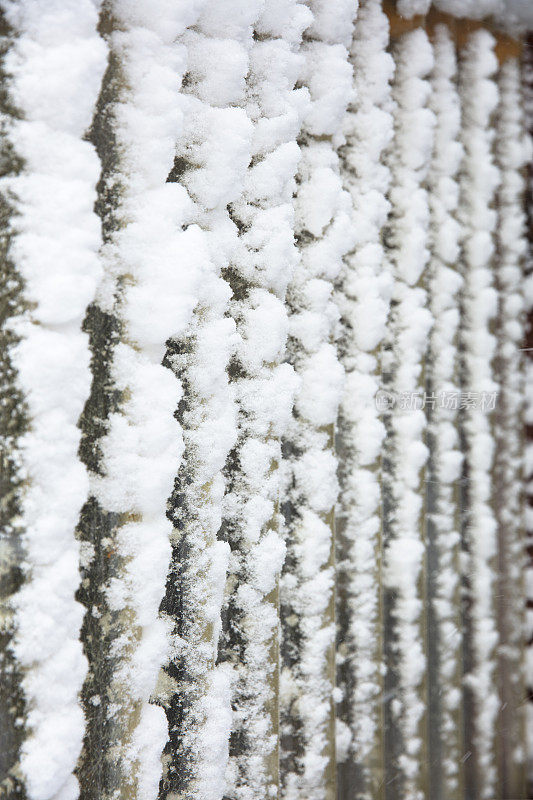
527 84
161 260
264 389
474 9
409 8
214 151
513 151
363 298
443 284
479 181
515 15
56 63
324 234
405 450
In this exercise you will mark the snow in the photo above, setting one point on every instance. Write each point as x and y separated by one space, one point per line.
516 15
323 224
480 179
444 283
292 203
263 387
408 8
513 152
176 255
160 294
405 451
363 299
55 64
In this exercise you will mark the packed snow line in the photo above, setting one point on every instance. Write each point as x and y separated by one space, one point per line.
264 387
211 162
515 15
156 259
405 452
55 61
324 234
363 297
479 181
513 152
445 459
527 87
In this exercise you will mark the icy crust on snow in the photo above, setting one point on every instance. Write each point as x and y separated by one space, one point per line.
55 62
264 388
479 181
363 298
164 262
513 152
406 452
443 284
323 228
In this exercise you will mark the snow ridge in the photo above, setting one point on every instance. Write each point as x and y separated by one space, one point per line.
264 387
444 469
479 181
405 452
324 234
514 15
155 262
54 84
211 160
513 152
363 298
527 83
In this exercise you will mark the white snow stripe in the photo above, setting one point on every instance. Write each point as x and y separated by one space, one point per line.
363 298
264 389
527 83
56 64
479 181
410 8
444 468
513 15
513 151
323 227
405 453
213 156
159 262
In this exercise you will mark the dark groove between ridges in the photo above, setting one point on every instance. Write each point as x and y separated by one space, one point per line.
468 700
233 643
176 604
232 647
13 424
291 740
98 769
434 645
351 778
